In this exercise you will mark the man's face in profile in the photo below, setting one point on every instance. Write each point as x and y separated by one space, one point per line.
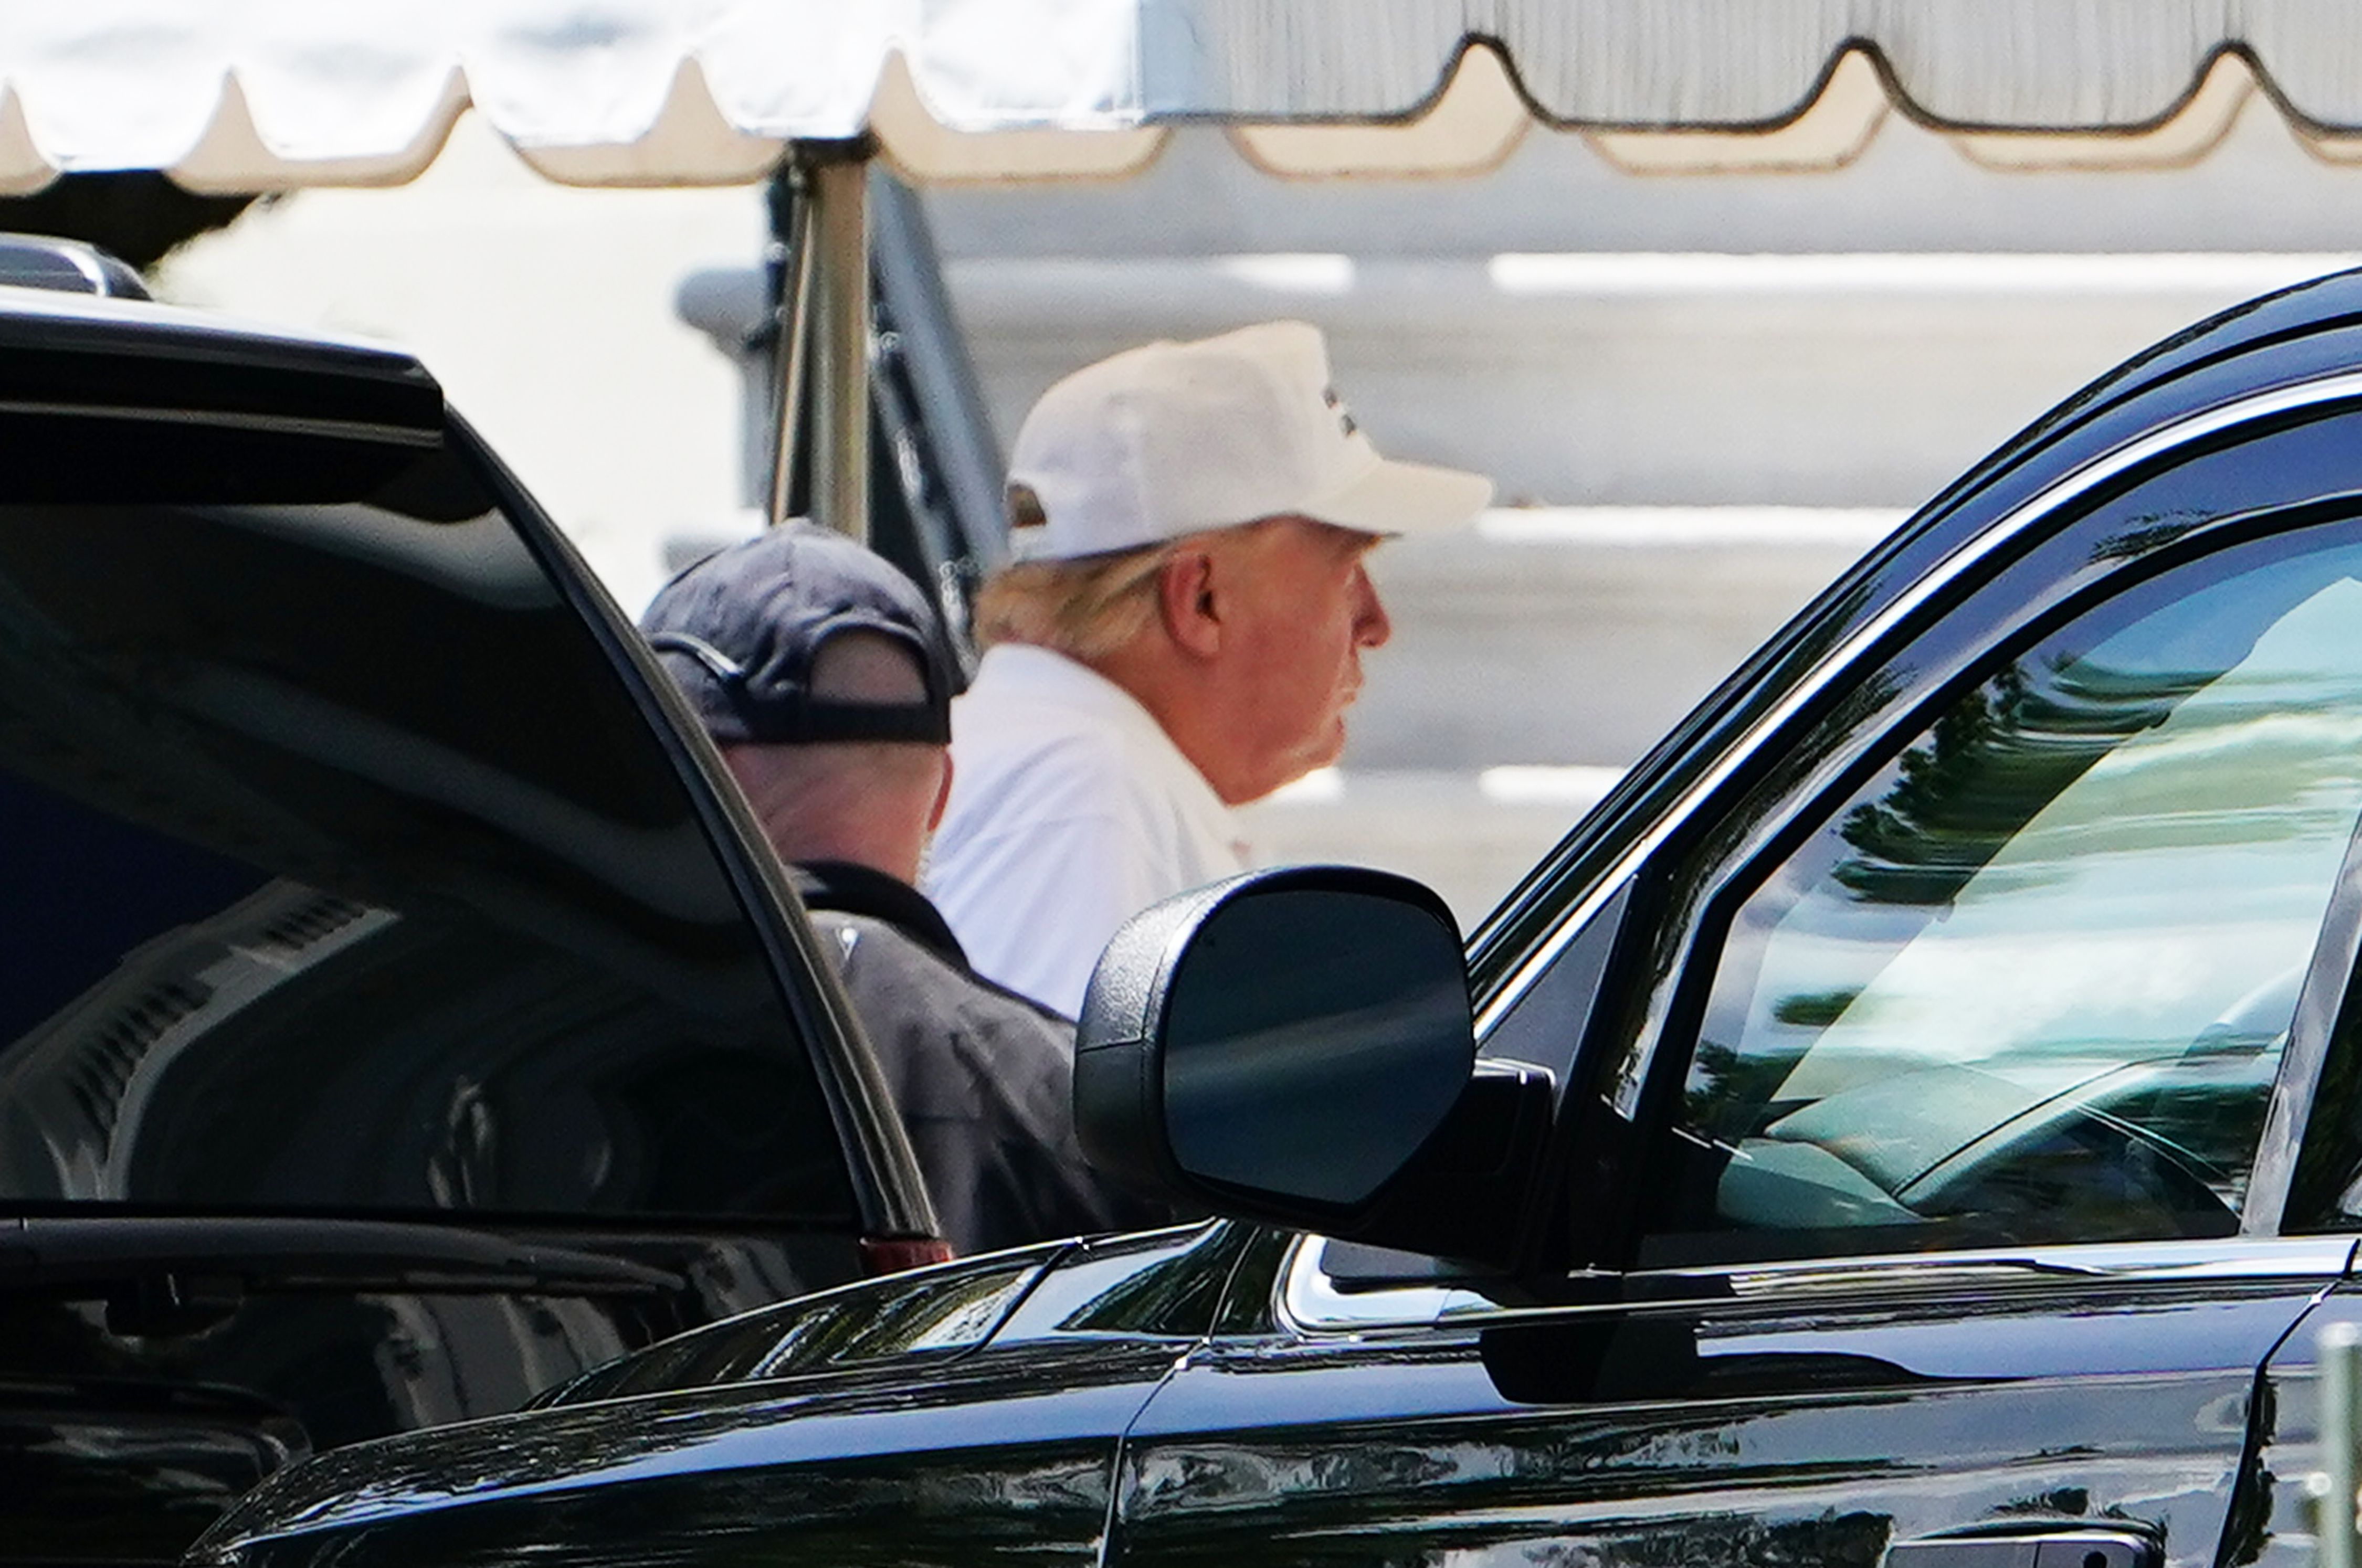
1305 609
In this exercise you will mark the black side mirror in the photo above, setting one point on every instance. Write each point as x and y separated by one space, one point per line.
1292 1046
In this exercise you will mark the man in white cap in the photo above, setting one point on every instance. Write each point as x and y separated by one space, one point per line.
1179 631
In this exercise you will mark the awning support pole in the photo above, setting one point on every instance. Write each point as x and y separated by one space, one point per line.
793 329
840 193
824 335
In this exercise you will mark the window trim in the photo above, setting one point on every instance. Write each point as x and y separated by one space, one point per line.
889 1190
1308 1306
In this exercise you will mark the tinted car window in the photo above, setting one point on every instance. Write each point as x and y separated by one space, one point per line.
342 872
2032 980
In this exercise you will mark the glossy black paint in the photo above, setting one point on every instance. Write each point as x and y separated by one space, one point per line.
122 1469
1299 1097
1003 1444
227 1236
1622 1434
2276 1521
2147 1400
1722 1432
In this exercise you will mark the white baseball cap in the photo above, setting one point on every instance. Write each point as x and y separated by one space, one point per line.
1175 438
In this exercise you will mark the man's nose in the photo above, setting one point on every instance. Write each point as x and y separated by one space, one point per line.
1372 626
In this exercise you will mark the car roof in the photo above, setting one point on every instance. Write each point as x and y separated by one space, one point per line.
130 320
52 337
147 327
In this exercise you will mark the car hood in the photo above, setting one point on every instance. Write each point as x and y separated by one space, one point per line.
1082 1331
842 1351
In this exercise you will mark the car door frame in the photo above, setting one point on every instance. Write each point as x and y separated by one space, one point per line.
892 1195
1670 890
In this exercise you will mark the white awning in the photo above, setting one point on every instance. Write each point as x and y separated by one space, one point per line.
258 94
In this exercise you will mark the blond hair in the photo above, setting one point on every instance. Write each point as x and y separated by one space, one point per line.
1086 608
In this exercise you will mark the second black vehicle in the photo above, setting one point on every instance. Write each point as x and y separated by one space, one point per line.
1917 1118
399 1014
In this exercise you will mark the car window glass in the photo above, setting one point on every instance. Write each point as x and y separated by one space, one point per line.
343 875
2032 980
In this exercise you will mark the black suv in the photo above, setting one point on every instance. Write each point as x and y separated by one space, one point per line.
396 1019
1917 1118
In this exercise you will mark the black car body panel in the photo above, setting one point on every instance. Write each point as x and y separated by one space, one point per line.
1730 1431
1725 1434
974 1409
397 1016
1957 1054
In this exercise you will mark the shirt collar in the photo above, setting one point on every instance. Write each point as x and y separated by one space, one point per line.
848 889
1051 676
1045 675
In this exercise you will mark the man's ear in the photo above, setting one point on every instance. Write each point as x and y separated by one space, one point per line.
1191 607
943 790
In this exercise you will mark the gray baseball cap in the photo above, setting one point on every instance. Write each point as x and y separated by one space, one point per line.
741 632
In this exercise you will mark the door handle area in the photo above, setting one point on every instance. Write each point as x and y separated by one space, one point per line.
2072 1548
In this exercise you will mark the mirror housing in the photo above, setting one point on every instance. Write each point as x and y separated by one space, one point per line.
1297 1046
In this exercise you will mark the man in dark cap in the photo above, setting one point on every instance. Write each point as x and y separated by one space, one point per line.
821 674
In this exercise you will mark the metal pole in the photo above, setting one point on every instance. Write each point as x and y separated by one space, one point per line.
839 189
794 328
2340 1361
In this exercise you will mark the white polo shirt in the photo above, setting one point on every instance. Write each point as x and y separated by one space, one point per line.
1071 811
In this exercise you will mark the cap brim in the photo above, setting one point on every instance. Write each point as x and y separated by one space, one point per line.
1405 498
